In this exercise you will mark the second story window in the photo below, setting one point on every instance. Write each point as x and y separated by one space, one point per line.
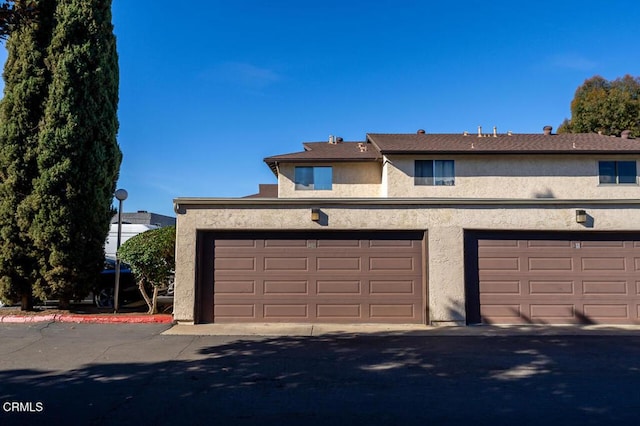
617 172
434 172
314 178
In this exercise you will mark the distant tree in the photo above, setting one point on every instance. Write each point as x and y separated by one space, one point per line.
78 156
151 256
608 107
26 82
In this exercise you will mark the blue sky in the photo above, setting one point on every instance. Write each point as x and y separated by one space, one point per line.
208 89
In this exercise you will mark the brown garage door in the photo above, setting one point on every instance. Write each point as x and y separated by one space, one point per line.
329 277
591 280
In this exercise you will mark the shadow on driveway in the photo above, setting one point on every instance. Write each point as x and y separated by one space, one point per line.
341 379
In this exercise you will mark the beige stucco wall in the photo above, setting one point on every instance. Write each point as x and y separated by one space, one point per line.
445 225
349 180
564 177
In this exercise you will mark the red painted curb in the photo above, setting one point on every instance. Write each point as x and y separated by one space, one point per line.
89 319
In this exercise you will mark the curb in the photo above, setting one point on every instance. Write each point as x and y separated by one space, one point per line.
89 319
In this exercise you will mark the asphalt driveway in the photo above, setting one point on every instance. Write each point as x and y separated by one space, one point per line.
62 373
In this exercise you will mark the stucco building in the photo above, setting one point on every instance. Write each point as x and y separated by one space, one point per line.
423 228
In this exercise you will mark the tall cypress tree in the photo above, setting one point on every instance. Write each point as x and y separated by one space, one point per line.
78 156
21 109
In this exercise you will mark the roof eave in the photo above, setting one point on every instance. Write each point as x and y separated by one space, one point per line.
510 152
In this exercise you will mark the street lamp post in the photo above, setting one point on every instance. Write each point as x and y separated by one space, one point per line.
121 195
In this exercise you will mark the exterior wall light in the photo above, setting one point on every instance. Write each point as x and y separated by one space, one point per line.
581 216
315 215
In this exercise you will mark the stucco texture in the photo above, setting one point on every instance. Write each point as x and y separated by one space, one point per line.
534 176
444 222
349 180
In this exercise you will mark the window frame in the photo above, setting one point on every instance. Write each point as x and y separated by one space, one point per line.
613 175
438 172
315 176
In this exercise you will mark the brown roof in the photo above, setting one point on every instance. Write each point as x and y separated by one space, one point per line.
574 143
265 190
327 152
420 143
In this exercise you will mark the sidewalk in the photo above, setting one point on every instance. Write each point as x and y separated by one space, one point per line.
314 330
102 316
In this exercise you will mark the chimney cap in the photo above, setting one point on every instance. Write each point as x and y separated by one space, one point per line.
547 130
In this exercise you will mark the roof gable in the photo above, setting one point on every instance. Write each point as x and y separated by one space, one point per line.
327 152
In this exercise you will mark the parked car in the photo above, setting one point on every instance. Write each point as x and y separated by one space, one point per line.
128 294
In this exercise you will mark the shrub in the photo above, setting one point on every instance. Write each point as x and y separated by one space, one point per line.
151 256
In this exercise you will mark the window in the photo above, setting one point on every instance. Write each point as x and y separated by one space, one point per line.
314 178
617 172
434 172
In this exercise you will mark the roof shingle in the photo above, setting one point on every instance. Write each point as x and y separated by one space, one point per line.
379 144
503 143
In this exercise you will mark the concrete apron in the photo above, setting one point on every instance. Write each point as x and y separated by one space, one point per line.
312 330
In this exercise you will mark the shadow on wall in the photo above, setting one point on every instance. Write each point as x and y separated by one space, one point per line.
590 223
399 379
456 313
548 193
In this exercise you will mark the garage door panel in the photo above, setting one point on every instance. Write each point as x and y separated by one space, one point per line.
382 311
605 287
550 263
339 311
331 277
291 310
245 311
284 243
392 264
339 264
551 287
235 264
236 287
548 311
604 264
546 244
386 288
499 264
233 243
338 243
618 311
336 287
497 311
286 287
602 244
500 287
570 280
286 264
498 243
392 243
